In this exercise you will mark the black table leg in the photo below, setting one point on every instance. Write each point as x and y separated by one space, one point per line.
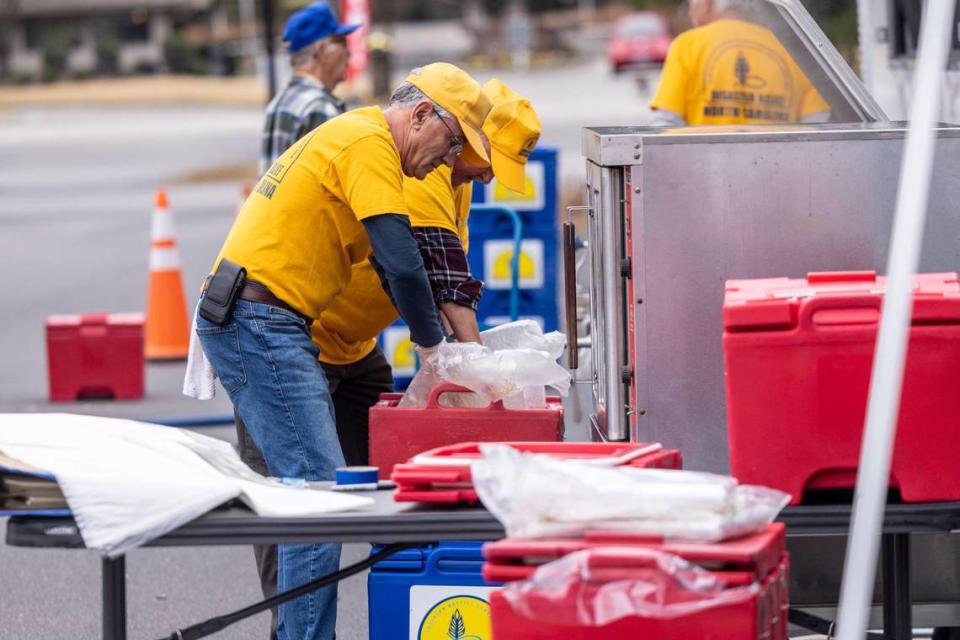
114 594
895 552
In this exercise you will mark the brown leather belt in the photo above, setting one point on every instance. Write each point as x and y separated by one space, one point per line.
256 292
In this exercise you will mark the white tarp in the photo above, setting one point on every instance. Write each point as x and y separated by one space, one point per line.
128 482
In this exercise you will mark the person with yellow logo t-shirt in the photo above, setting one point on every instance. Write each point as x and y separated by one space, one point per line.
329 202
727 70
347 330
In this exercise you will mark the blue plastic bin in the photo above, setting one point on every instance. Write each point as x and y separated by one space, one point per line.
420 593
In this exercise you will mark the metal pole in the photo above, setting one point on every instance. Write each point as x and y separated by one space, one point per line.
113 576
897 614
268 28
887 376
865 36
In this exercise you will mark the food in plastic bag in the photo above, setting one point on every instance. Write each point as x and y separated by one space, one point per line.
539 496
596 587
497 371
524 334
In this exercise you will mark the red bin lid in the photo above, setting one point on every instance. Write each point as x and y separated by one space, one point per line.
854 298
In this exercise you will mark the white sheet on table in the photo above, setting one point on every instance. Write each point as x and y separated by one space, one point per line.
129 482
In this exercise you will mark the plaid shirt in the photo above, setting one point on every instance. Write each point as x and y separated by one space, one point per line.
303 105
447 268
446 265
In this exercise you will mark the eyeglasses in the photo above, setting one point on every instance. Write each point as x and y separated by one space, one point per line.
456 142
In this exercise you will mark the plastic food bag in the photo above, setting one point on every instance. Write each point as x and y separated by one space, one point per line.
496 375
524 334
596 587
539 496
496 371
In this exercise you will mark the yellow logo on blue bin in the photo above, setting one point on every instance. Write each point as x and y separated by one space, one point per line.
399 350
504 262
498 261
403 354
457 618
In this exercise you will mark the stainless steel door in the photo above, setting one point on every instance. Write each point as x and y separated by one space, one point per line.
607 311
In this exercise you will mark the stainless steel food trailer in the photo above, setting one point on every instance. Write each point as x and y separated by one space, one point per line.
673 213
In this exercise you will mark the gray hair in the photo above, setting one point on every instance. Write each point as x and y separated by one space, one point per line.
302 57
408 94
719 6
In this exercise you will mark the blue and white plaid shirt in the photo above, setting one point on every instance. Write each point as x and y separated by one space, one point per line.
303 105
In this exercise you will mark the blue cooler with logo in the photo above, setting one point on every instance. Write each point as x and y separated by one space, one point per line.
492 245
432 592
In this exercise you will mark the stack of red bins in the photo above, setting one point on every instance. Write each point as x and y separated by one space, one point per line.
798 356
442 475
399 433
97 355
757 558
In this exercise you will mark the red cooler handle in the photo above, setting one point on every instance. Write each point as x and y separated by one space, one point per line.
826 277
433 400
837 312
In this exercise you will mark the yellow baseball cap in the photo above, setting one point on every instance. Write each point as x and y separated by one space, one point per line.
513 128
453 89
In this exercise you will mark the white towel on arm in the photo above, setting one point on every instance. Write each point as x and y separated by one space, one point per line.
199 376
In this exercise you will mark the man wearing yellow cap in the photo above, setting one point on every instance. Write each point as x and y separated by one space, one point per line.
328 203
439 206
346 331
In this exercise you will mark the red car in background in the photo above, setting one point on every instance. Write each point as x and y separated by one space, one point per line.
639 40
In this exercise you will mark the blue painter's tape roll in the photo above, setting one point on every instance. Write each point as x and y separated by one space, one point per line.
357 475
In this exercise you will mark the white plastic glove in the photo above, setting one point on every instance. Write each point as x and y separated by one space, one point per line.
429 356
426 379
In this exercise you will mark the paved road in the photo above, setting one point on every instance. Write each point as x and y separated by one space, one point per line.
76 195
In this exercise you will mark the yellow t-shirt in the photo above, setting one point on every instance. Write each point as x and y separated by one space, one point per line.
346 331
734 72
300 232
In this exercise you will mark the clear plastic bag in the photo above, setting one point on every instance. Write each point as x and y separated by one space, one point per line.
524 334
596 587
517 375
539 496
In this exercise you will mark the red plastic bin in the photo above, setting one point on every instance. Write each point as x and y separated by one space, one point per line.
399 433
758 553
798 356
436 477
760 617
95 356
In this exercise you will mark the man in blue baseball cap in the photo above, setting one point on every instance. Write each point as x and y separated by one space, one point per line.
317 43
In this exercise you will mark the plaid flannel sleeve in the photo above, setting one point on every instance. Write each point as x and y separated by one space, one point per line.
447 269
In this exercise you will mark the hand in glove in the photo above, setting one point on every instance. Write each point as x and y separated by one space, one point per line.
426 379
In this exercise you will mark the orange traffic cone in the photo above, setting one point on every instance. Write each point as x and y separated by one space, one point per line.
167 332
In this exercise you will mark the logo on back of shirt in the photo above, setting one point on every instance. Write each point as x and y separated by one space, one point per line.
741 70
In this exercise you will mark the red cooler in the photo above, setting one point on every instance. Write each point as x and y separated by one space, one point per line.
399 433
530 613
97 355
798 356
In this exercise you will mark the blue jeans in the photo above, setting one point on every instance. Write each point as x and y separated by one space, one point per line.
268 364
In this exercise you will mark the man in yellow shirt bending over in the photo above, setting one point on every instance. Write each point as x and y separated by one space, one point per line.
346 332
727 70
326 204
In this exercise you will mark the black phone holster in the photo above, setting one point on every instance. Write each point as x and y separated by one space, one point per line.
222 291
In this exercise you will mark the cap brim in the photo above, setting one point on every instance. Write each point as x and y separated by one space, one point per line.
473 152
508 171
347 29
